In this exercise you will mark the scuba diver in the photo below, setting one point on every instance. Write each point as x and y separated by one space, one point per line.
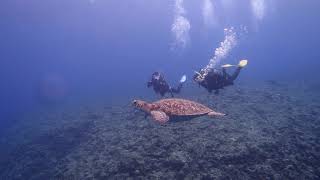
213 79
160 86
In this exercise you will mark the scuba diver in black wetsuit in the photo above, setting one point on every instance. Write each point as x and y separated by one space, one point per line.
213 79
160 86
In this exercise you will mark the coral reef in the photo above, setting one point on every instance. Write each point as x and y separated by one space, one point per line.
272 131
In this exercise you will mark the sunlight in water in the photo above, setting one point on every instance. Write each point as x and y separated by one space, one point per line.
208 13
258 8
180 27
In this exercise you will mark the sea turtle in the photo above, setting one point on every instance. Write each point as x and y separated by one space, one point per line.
162 110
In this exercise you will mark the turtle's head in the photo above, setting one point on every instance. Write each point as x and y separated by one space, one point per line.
141 105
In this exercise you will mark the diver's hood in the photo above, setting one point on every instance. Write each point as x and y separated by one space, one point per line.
156 76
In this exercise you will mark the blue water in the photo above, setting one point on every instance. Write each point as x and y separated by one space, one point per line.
112 46
56 51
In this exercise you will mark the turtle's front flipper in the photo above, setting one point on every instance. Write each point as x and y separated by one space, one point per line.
159 116
213 113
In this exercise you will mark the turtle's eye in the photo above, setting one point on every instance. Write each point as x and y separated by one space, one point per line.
134 102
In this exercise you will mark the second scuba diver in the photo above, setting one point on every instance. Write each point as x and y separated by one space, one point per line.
213 79
160 86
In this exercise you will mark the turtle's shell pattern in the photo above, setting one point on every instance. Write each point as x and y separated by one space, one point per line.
181 107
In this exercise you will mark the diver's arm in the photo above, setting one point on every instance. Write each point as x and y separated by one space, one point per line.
149 84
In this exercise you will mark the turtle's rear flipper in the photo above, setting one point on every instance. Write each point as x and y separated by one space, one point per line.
159 116
213 114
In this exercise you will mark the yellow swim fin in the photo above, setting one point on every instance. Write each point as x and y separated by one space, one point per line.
243 63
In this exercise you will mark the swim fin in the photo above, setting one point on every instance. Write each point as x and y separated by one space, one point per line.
243 63
227 65
183 79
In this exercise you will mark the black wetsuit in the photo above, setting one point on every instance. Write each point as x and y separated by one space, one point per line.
160 86
215 80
